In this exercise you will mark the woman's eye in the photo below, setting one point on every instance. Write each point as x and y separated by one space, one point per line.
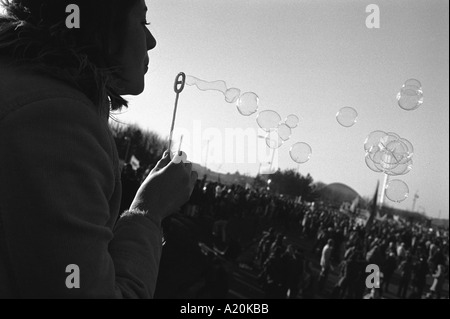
146 23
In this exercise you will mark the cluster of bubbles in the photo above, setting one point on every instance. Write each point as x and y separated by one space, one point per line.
347 116
390 154
278 130
410 96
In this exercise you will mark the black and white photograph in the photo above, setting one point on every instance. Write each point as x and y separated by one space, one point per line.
226 153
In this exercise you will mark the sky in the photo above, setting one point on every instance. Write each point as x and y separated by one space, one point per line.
308 58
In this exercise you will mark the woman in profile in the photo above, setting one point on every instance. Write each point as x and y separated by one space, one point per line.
59 175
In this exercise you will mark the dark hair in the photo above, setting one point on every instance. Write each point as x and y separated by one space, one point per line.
34 33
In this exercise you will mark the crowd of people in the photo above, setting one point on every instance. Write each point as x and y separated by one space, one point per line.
275 227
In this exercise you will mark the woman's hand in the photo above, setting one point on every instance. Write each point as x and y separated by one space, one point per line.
166 188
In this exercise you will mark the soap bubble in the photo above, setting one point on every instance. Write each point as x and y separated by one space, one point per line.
373 153
394 135
370 164
397 191
300 152
248 103
409 146
376 155
268 120
373 139
292 121
387 139
413 83
410 96
231 95
284 132
347 116
401 168
273 141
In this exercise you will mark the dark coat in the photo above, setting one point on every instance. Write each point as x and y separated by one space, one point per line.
60 196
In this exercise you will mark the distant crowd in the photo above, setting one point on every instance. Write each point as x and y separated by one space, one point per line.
337 242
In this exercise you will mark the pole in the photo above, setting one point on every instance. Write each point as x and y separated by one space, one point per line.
383 190
271 162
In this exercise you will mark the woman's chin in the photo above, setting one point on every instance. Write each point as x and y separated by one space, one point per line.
132 89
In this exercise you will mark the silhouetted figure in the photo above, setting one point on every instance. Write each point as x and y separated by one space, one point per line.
274 276
420 271
405 267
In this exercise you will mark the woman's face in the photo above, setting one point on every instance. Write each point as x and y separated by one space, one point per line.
131 54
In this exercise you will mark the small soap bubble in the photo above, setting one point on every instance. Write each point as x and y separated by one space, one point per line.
409 146
284 132
231 95
300 152
373 139
273 140
387 139
268 120
292 121
410 96
401 169
371 165
248 103
413 83
347 116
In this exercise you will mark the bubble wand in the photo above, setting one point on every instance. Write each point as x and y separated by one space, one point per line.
178 87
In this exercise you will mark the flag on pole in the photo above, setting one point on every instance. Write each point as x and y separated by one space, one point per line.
373 208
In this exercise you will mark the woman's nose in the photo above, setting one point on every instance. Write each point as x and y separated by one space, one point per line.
151 41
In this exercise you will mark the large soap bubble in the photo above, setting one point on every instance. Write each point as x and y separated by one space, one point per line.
248 103
397 191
